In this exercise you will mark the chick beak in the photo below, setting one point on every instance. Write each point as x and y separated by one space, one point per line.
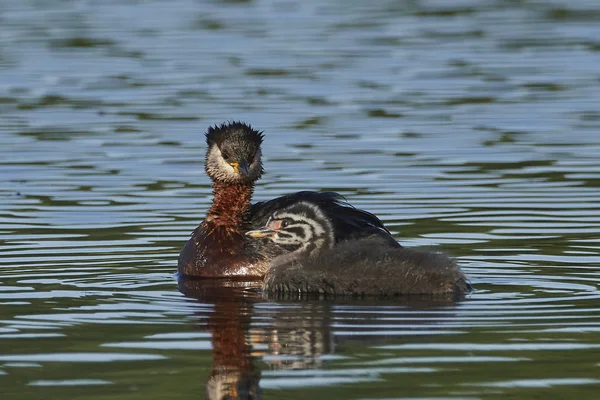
262 233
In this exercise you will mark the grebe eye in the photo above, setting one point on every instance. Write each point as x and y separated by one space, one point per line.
284 223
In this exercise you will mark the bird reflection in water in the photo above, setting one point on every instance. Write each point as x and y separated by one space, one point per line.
290 338
249 330
234 374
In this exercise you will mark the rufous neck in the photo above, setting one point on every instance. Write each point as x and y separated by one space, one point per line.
231 203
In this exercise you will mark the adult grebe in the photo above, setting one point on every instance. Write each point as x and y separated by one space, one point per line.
218 247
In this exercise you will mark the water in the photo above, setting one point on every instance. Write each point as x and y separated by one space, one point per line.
469 126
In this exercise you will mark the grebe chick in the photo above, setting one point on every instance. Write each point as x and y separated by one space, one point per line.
312 262
218 247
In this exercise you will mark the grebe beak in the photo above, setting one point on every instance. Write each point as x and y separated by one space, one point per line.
244 169
262 233
240 168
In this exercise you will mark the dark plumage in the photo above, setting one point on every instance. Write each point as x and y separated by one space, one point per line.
311 262
218 247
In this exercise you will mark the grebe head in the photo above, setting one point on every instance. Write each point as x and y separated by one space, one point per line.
301 228
233 154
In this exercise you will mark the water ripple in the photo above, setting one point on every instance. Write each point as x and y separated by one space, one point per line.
470 128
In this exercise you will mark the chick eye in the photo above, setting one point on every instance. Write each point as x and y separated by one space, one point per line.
225 154
284 223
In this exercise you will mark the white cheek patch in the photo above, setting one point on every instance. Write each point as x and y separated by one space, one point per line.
219 167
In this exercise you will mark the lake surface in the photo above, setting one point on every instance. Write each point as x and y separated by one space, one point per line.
467 126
